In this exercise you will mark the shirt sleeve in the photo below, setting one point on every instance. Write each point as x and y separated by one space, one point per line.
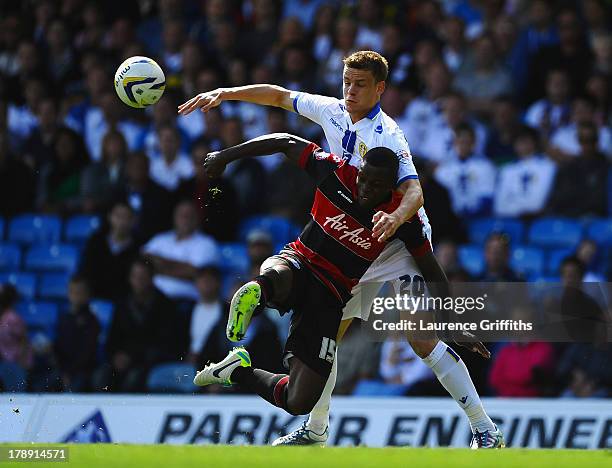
312 106
412 235
318 163
398 143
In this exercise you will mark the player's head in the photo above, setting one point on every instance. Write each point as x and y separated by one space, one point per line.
364 78
377 177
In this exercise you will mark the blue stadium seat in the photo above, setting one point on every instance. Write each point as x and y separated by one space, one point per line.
40 317
527 261
78 228
281 229
25 283
53 286
234 257
172 377
32 228
601 232
555 257
56 257
103 310
377 388
471 258
480 229
555 232
10 257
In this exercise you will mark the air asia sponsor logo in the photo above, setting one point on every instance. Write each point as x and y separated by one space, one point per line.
91 430
337 223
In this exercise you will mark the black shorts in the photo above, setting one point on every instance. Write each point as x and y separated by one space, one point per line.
316 317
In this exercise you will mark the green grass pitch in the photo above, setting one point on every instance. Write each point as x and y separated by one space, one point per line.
146 456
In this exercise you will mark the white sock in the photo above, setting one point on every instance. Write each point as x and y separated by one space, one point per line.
318 420
454 376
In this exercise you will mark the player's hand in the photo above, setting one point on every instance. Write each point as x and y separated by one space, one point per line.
203 101
214 164
385 225
474 346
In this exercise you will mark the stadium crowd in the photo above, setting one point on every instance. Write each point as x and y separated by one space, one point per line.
506 105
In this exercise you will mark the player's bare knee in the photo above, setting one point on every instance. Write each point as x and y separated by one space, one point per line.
423 348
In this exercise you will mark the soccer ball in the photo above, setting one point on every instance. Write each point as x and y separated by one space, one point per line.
139 82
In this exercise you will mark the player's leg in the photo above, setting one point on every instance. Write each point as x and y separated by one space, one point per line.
273 285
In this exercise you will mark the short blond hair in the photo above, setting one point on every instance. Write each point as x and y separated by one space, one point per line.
369 60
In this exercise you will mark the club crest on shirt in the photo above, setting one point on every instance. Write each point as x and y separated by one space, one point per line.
363 149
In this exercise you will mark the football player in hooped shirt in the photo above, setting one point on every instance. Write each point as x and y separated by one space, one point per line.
314 275
352 126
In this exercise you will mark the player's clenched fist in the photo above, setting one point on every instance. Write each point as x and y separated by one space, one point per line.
203 101
214 164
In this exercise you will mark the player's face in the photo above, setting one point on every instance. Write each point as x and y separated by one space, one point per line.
361 91
374 185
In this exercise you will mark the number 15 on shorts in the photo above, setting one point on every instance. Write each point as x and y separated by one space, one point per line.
328 349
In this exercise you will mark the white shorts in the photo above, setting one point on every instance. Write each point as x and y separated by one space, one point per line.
394 262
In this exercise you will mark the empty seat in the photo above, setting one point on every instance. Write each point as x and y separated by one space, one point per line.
55 257
527 261
234 257
32 228
471 258
10 257
53 286
480 229
40 317
25 283
281 229
555 232
601 232
172 377
78 228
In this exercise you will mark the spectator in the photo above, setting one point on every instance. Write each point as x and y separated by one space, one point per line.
552 112
470 179
59 179
76 345
344 45
400 365
446 253
21 119
17 183
602 48
164 115
60 56
143 333
524 186
38 148
439 138
497 260
485 79
307 8
173 166
591 256
16 356
369 36
522 369
109 253
176 255
209 310
504 129
581 184
564 141
101 179
259 247
598 88
215 199
424 112
149 201
584 371
455 49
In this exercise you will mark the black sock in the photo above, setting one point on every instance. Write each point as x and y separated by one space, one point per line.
267 292
271 387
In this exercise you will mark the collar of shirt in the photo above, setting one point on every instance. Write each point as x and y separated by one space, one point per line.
367 121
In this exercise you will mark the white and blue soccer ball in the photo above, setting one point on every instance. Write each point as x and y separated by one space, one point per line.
140 82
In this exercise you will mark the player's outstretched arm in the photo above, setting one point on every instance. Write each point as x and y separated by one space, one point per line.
263 94
290 145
